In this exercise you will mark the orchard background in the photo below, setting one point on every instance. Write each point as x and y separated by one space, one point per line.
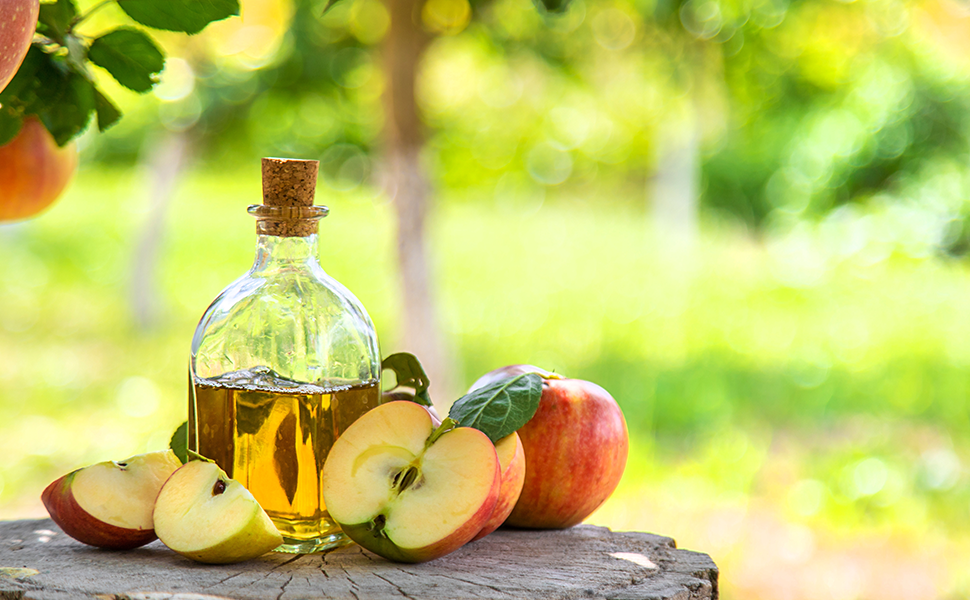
745 219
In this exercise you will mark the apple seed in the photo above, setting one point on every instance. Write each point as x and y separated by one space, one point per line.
219 487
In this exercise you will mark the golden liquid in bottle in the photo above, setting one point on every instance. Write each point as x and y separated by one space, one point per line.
274 440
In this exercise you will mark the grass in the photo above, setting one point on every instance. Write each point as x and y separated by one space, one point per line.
795 408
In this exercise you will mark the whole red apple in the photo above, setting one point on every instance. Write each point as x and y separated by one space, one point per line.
575 450
18 20
33 171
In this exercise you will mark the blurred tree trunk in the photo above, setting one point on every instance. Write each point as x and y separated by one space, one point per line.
164 164
409 189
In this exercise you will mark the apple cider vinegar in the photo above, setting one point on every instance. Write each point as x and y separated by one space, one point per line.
283 360
274 440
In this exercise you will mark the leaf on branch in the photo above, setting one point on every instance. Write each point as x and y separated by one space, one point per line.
130 56
66 105
108 113
55 18
189 16
499 408
22 91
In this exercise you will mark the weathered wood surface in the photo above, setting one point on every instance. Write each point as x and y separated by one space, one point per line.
37 561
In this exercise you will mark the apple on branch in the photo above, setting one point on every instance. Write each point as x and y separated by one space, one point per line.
575 445
34 171
204 515
109 504
19 19
406 490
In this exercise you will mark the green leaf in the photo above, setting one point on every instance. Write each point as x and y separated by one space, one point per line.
409 372
22 89
108 113
10 125
130 56
189 16
67 103
180 442
55 18
501 407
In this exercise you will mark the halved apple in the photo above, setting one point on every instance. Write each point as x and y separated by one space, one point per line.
109 504
204 515
406 491
511 458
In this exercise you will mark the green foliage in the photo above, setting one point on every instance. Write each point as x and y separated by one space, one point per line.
54 82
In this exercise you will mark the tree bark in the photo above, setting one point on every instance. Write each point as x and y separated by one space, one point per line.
407 185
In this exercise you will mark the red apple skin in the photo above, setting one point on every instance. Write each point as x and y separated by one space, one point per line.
576 447
513 477
78 524
16 31
33 171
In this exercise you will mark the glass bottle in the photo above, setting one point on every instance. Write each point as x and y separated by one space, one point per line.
283 360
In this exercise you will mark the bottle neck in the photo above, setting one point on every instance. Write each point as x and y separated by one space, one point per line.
275 252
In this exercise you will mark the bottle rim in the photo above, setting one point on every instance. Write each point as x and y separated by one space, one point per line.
288 213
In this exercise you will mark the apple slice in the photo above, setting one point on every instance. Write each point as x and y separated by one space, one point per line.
109 504
204 515
511 458
407 491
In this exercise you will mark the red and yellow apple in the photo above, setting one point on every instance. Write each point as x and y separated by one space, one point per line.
18 20
511 458
204 515
402 489
33 171
110 504
575 450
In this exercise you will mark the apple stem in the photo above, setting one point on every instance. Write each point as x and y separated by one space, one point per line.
196 456
447 425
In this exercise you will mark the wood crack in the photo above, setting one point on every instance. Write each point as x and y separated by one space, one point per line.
283 587
396 586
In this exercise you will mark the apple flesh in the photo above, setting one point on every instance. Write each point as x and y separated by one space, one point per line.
575 450
511 458
17 25
402 489
109 504
204 515
33 171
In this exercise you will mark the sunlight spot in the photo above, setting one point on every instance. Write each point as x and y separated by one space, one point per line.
634 557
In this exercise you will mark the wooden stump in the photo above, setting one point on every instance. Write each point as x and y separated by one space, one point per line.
37 561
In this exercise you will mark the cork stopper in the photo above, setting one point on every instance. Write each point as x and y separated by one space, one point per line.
289 185
289 181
